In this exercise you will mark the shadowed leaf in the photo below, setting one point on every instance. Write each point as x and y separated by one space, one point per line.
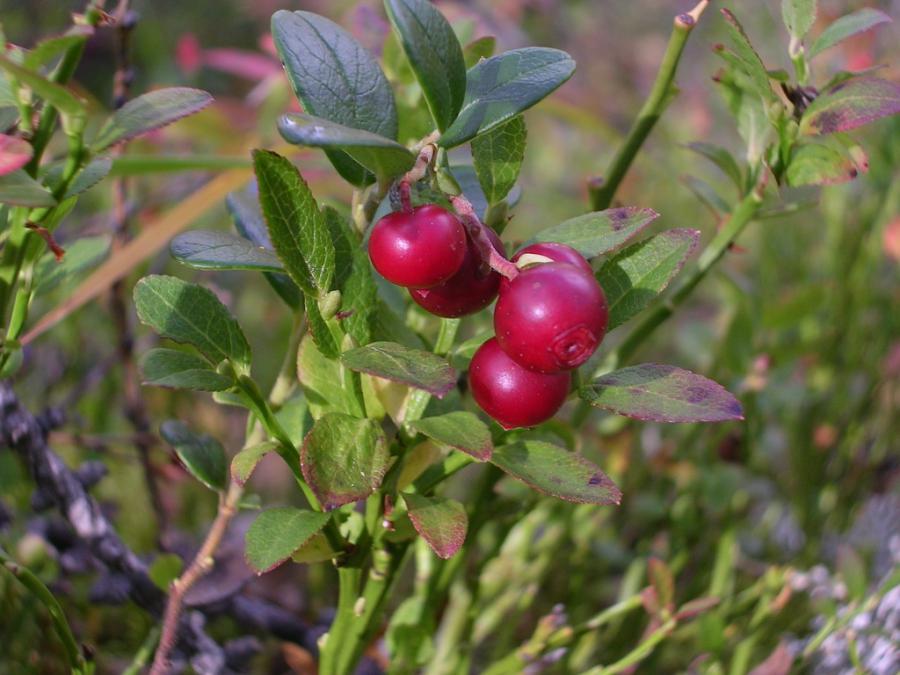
277 533
661 393
209 250
442 523
851 104
599 232
557 472
413 367
244 463
460 430
202 455
181 370
497 156
20 189
721 158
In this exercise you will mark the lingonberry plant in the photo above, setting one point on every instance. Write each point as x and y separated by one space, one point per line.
378 403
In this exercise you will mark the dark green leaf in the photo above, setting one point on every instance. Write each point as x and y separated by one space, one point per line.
460 430
599 232
660 393
663 582
209 250
335 78
344 458
636 275
821 164
501 87
320 331
467 178
722 159
497 156
847 26
352 277
707 194
202 455
244 463
84 180
277 533
434 54
413 367
850 105
380 155
296 225
149 112
250 224
192 314
798 16
20 189
557 472
748 60
181 370
442 523
80 255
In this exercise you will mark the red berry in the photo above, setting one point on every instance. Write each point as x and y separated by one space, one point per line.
472 288
556 252
420 248
551 317
509 393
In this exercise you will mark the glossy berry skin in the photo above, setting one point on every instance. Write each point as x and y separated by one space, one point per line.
509 393
556 252
420 248
551 317
472 288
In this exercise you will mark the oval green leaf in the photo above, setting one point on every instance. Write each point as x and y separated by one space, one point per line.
460 430
497 156
277 533
847 26
181 370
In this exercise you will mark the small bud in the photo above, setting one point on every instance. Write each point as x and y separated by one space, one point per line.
226 368
330 304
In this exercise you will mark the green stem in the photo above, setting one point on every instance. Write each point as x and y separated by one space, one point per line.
638 654
602 192
28 579
142 657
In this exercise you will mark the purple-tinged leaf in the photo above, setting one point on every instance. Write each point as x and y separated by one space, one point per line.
460 430
661 393
821 164
149 112
14 153
600 232
634 277
244 463
413 367
442 523
277 533
557 472
850 105
847 26
344 458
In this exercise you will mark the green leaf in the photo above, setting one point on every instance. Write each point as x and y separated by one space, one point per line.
798 16
413 367
663 582
210 250
149 112
599 232
502 86
202 455
707 194
850 105
321 380
434 54
70 106
344 459
634 277
165 569
277 533
555 471
47 50
335 78
296 225
352 277
181 370
722 159
497 156
460 430
80 255
442 523
821 164
380 155
191 314
661 393
84 180
320 331
20 189
244 463
482 48
847 26
747 58
250 224
135 164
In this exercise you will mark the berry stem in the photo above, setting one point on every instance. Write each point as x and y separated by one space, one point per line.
478 233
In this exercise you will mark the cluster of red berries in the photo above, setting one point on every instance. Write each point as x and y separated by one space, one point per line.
549 319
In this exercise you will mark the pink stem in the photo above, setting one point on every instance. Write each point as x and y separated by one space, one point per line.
478 232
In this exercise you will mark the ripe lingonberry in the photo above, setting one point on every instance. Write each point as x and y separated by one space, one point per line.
509 393
551 317
418 248
472 288
556 252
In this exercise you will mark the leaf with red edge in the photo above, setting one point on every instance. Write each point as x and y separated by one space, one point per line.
344 458
277 533
442 523
14 153
413 367
557 472
659 393
823 164
460 430
851 104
